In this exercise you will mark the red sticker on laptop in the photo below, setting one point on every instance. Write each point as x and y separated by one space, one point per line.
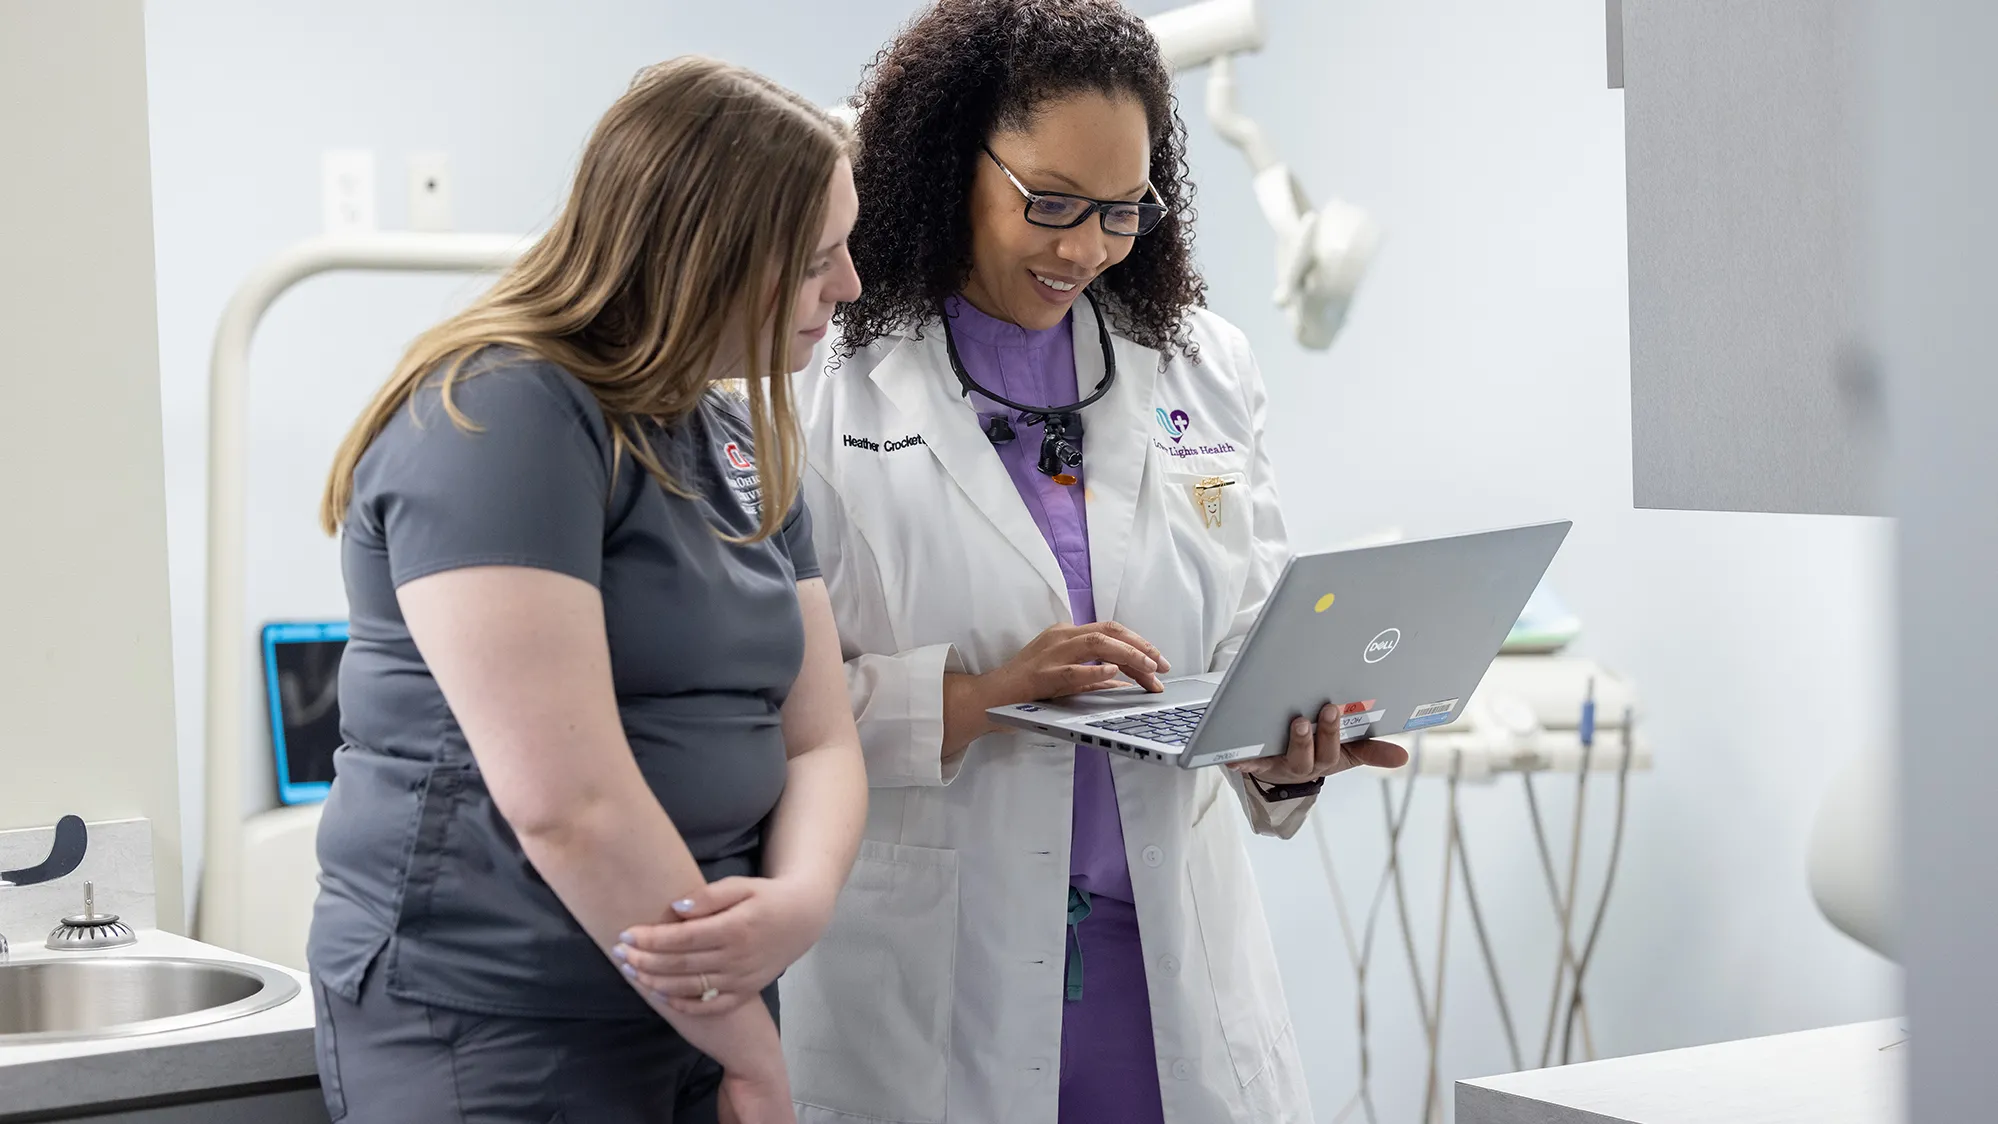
1356 708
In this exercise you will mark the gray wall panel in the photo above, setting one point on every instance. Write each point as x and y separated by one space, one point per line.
1741 175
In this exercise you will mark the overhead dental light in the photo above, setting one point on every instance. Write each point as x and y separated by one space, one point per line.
1321 253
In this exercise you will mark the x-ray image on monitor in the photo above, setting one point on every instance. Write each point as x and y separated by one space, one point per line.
302 673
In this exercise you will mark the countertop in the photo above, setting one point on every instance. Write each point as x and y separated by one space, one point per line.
270 1046
1839 1075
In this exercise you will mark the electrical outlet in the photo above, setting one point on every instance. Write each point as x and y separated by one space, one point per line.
429 191
348 190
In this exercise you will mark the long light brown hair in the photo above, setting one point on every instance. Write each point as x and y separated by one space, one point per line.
696 207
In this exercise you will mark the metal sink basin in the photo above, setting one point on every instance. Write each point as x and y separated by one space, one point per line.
111 997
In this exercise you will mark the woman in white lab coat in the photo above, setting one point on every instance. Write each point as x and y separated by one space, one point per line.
1035 931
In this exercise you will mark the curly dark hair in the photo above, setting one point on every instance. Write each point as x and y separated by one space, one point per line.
963 70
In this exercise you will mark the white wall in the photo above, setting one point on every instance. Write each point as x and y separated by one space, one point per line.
1483 380
86 686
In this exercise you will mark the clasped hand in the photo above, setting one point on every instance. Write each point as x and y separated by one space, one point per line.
732 939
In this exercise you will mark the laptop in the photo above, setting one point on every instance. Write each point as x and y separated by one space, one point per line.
1399 634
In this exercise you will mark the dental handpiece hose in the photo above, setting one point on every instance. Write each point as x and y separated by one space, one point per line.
1565 903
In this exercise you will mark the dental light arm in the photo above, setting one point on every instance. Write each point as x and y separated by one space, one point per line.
1200 33
1321 253
1235 126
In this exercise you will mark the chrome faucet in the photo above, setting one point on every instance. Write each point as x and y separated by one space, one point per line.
71 840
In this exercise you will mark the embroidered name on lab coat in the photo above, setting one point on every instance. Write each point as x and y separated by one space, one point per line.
895 446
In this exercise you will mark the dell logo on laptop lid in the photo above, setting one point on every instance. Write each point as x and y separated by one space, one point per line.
1383 646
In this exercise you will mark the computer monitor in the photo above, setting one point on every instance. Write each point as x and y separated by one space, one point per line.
302 677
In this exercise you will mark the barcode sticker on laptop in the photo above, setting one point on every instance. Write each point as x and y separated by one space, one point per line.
1432 714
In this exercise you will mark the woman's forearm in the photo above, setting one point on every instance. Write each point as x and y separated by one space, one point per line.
966 698
816 828
620 862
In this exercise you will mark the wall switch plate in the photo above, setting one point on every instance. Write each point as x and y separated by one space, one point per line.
348 190
430 191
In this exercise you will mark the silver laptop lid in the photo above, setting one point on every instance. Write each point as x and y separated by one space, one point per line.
1405 630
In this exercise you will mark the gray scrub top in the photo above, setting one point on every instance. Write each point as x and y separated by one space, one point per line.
418 868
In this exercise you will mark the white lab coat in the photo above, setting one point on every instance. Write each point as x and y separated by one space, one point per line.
936 994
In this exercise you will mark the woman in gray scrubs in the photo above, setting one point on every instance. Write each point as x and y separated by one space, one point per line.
593 667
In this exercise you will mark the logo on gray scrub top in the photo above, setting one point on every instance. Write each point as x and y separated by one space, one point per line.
1382 646
741 476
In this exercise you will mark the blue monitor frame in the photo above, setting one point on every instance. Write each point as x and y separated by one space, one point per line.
273 635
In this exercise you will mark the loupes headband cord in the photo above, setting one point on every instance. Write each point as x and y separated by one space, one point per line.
1060 426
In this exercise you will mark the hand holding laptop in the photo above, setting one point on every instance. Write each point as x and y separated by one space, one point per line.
1315 751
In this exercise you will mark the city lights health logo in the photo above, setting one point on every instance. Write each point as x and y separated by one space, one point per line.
1175 423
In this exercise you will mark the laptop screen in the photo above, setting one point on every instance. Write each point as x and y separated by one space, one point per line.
302 674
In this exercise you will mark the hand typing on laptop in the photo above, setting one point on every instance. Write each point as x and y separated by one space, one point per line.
1063 660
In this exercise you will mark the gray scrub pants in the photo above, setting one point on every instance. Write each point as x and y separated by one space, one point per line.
386 1060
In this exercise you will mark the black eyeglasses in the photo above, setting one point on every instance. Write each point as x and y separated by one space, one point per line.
1061 212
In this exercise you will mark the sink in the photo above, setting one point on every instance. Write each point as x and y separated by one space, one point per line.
116 996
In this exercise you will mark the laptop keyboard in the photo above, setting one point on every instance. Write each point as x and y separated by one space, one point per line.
1171 726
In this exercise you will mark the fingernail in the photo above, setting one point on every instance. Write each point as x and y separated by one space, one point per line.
619 950
625 938
1299 727
684 905
630 972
